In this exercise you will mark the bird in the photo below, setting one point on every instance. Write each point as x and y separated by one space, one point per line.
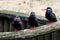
32 21
50 15
17 23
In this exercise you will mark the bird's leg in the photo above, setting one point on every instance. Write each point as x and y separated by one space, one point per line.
16 30
50 22
32 27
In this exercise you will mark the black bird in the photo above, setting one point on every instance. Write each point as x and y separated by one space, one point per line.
17 23
32 20
50 15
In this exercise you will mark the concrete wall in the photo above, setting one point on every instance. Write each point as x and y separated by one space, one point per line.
30 5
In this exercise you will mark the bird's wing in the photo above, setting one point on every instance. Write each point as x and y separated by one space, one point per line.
53 16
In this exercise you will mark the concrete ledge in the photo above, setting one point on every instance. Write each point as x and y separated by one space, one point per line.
31 33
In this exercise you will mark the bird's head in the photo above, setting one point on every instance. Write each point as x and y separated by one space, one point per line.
49 10
17 18
32 14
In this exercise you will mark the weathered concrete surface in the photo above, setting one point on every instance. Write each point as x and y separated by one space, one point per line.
31 33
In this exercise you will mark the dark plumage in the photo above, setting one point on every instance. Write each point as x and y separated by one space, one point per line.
50 15
32 20
17 23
